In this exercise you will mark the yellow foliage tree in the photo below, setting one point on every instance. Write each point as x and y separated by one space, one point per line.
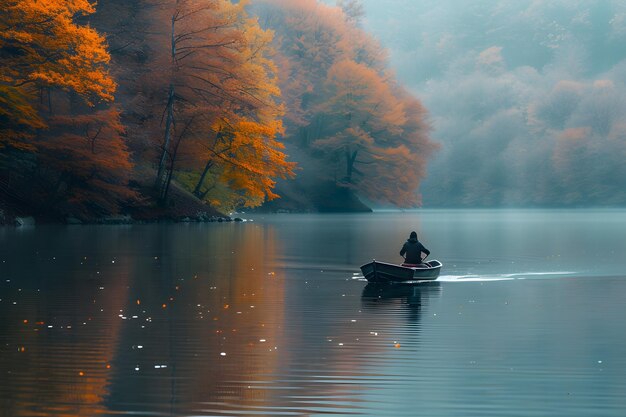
42 46
219 90
55 88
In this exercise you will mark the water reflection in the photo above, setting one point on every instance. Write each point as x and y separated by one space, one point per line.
218 325
267 319
58 340
153 320
414 297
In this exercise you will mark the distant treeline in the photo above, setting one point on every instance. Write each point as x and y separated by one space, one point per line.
528 98
105 108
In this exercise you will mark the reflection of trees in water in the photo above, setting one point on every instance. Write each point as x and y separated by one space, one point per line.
64 370
195 291
220 297
413 296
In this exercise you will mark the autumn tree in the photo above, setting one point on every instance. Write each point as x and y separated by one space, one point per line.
345 108
359 113
54 90
218 92
36 48
309 40
18 119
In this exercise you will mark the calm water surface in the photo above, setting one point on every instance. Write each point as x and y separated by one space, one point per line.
272 317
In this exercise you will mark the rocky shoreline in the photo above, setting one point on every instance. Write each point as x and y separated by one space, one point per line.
9 220
127 219
184 207
181 207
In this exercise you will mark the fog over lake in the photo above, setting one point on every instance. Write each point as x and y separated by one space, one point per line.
526 97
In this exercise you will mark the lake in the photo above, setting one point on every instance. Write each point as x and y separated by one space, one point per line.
272 317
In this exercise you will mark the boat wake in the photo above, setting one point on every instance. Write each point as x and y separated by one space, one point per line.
485 277
501 277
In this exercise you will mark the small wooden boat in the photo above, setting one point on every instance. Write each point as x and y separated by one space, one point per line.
384 272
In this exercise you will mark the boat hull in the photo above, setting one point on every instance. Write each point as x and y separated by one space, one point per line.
385 272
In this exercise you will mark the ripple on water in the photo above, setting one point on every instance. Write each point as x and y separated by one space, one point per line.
301 334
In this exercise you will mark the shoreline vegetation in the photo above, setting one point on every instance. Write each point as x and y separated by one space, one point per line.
172 110
183 110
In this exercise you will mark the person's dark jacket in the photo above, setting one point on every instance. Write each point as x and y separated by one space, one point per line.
413 249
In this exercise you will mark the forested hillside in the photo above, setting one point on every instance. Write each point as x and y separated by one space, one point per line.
116 107
352 123
526 97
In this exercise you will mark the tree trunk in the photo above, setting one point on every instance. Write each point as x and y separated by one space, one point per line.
162 184
207 167
203 194
196 191
158 184
173 155
170 172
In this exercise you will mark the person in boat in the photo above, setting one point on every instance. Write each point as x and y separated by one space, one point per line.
412 251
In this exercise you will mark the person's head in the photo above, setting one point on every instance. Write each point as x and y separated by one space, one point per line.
413 236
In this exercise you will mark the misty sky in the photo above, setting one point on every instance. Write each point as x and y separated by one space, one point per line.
526 96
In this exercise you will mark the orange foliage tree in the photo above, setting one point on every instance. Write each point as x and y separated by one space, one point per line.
84 162
54 75
344 106
217 89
